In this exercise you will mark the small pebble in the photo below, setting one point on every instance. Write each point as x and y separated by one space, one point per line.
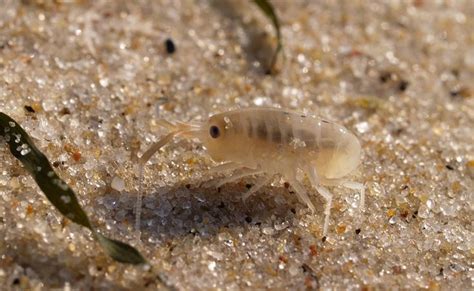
211 266
29 109
403 85
268 230
170 47
117 184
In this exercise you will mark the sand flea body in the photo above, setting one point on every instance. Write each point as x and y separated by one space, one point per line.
269 142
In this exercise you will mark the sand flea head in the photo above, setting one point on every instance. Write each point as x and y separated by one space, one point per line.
217 135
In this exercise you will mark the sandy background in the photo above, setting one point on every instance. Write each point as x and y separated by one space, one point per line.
399 74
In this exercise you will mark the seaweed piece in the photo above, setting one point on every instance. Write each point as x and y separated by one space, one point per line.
56 190
269 11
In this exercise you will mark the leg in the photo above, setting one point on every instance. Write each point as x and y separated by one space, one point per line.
313 177
225 167
327 209
361 188
350 185
155 147
301 192
143 159
244 173
230 166
260 183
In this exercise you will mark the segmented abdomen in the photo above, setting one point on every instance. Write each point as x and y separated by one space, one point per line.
282 128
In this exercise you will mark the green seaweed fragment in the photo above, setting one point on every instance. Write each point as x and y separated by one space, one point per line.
56 190
269 11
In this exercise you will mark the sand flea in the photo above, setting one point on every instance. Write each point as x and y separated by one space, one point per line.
268 142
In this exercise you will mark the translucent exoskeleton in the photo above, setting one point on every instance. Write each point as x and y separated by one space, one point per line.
268 142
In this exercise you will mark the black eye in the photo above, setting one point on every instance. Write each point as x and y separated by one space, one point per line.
214 131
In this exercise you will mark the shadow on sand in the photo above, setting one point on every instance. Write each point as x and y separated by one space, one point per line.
169 213
258 47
